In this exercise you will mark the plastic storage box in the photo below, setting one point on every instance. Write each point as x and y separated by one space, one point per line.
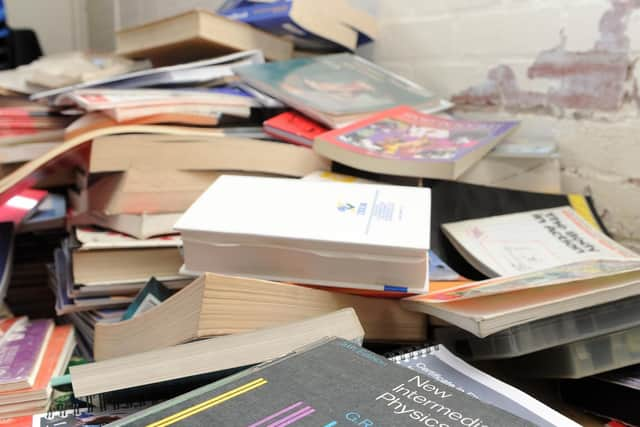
583 358
544 333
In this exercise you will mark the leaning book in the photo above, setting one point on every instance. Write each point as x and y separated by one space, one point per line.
331 383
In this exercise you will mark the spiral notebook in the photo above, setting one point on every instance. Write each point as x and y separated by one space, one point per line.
443 366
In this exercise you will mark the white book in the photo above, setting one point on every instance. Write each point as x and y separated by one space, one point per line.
513 244
326 233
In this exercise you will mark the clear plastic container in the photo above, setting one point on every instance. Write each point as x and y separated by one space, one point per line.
583 358
544 333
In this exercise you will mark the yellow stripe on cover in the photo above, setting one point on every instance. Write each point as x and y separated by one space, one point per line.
179 416
579 204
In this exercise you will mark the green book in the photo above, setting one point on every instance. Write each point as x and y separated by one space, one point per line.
331 383
336 89
153 293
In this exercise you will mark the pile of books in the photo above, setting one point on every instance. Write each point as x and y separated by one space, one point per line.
229 235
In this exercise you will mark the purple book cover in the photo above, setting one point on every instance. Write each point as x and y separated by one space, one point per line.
20 351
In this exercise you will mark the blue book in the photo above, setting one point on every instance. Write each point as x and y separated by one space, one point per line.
4 31
279 18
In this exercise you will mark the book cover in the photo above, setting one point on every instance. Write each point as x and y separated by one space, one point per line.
330 384
443 366
412 140
339 84
564 274
508 245
150 296
20 353
294 128
381 219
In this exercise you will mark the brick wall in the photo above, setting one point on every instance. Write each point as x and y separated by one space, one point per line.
566 68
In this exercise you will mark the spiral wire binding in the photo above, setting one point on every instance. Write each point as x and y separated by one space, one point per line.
411 353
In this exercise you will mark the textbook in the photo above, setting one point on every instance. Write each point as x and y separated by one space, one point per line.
331 233
311 25
140 226
112 100
208 356
218 305
21 353
36 398
194 35
225 153
516 300
403 141
519 243
443 366
185 74
337 89
105 257
333 382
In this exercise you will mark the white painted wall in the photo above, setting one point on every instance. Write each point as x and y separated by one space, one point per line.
61 25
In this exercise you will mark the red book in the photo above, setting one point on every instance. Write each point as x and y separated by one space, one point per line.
294 128
21 205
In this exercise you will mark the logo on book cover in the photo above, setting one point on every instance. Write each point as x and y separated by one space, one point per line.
360 209
346 207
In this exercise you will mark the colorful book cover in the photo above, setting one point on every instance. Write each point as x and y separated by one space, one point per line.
405 134
339 84
153 293
21 351
294 128
334 383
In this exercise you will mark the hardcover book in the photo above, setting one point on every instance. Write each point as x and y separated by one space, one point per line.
332 383
406 142
325 25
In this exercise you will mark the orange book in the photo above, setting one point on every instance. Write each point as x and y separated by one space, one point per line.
55 359
94 121
433 286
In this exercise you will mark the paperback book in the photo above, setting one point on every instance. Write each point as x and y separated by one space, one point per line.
406 142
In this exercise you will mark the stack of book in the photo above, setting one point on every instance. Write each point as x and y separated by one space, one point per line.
317 239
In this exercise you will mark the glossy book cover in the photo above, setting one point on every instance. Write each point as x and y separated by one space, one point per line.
339 84
405 134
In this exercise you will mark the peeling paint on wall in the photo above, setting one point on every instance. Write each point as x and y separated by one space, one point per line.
599 79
